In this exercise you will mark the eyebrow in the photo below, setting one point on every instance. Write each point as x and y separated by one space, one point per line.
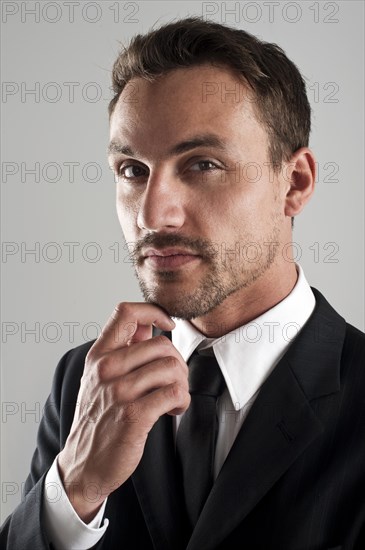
202 140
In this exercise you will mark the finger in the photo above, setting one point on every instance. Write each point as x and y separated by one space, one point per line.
122 326
121 361
147 379
173 399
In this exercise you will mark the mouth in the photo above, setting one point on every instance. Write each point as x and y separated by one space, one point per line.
169 258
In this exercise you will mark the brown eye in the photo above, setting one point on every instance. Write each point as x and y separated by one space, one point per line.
203 166
131 171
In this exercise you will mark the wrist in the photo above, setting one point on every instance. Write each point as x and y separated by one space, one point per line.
86 497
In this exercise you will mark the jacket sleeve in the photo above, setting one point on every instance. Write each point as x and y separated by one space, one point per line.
23 529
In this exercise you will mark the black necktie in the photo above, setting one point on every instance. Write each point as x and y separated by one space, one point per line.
197 432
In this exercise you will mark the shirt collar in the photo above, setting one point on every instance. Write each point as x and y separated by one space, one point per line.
248 354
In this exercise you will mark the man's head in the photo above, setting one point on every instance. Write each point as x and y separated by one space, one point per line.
209 129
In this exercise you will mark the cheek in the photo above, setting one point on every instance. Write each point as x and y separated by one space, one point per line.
127 210
237 216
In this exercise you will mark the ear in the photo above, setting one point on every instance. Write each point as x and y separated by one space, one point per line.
300 176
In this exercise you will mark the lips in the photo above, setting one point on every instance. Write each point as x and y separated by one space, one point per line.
168 252
169 258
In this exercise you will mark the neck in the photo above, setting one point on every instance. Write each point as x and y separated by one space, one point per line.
249 302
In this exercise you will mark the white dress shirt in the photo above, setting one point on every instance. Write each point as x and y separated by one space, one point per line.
246 356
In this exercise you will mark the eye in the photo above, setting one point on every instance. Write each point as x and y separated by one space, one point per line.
131 171
203 166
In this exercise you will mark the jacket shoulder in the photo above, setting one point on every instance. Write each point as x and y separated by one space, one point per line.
355 335
354 344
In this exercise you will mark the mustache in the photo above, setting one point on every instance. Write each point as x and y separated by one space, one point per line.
203 247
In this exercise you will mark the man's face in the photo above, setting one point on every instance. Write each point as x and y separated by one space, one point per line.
201 216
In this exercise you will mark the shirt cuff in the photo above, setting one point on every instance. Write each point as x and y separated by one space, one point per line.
64 528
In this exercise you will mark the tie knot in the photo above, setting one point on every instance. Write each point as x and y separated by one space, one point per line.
205 376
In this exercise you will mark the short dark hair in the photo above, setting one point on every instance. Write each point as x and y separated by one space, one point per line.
277 87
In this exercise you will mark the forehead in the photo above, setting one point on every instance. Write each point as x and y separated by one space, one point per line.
194 100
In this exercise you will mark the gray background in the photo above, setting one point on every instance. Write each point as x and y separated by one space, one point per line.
50 292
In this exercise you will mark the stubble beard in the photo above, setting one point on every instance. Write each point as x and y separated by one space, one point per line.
223 278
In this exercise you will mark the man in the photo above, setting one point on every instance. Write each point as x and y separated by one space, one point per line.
209 133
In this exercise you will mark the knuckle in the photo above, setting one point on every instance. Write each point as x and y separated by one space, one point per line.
175 393
162 341
162 345
90 356
170 362
122 308
101 366
93 352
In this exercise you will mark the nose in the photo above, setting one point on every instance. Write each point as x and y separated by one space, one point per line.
162 204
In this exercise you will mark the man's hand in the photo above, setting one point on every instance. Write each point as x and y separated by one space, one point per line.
130 379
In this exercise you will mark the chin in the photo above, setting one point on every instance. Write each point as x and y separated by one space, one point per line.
173 308
184 305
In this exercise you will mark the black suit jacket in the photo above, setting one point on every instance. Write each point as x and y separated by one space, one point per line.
294 479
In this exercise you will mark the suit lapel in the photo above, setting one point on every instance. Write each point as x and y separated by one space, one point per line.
279 427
